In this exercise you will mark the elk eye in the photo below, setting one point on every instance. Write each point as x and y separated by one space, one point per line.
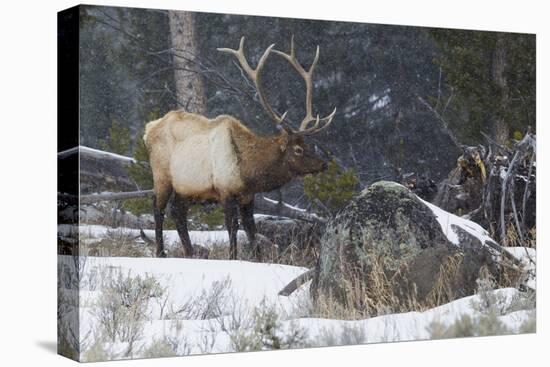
298 150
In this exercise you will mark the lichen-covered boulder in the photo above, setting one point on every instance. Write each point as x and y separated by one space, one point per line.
386 251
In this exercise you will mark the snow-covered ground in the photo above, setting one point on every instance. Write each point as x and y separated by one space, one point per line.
222 299
209 239
212 306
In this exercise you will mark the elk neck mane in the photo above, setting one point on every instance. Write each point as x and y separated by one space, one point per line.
261 162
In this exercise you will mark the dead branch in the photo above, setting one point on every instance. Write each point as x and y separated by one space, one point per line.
146 239
526 191
494 143
514 210
297 282
522 148
440 118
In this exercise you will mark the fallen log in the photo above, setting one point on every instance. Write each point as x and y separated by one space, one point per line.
273 207
264 206
97 154
112 196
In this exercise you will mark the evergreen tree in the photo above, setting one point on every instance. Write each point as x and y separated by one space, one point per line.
493 77
118 139
332 189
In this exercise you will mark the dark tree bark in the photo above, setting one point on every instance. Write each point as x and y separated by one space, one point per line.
501 129
189 84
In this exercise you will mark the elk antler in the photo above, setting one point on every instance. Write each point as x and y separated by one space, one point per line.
254 75
307 76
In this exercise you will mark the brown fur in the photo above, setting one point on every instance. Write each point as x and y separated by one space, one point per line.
220 159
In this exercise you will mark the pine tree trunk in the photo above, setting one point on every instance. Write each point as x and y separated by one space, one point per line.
501 130
189 84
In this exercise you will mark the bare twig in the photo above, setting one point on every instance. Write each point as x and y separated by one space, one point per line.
493 142
514 210
448 103
438 89
526 191
440 118
521 150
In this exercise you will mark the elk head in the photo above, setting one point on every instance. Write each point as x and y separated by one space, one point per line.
297 155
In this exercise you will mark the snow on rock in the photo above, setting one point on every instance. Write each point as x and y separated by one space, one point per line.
526 255
448 220
528 258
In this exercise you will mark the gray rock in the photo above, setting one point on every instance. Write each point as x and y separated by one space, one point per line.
386 251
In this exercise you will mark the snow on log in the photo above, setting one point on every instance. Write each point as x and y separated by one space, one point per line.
94 153
273 207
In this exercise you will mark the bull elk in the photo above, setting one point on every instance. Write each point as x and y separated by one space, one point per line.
198 159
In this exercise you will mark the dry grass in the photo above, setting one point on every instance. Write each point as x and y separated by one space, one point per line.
118 242
513 238
382 291
377 292
532 238
293 254
443 290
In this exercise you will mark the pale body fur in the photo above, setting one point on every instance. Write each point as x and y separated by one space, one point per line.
195 156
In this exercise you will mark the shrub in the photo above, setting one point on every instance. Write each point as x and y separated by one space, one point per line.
97 352
261 330
207 305
117 242
208 216
485 325
140 173
121 308
348 334
332 189
159 348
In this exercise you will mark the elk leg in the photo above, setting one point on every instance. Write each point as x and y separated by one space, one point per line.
158 214
247 217
179 214
232 224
